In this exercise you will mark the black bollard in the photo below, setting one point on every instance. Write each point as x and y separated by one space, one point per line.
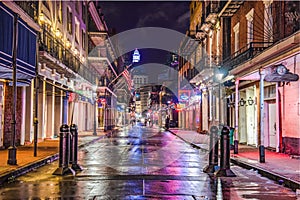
64 151
236 147
225 155
74 148
213 153
262 154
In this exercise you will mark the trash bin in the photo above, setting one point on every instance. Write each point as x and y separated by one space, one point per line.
231 137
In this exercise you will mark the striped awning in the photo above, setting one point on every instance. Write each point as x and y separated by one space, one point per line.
26 46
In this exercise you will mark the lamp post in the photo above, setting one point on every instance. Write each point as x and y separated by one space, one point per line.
219 76
261 94
95 111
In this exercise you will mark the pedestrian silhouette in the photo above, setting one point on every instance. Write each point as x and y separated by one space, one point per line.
167 123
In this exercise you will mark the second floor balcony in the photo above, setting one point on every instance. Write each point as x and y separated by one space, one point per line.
246 53
29 7
57 50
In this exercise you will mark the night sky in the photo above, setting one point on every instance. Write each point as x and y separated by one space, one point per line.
128 15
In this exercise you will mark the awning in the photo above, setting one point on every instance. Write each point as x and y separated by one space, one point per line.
26 46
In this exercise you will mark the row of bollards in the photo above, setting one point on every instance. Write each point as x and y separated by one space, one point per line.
224 169
68 151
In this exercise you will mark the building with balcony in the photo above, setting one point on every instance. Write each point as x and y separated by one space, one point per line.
264 35
66 82
57 82
18 35
191 54
254 45
105 58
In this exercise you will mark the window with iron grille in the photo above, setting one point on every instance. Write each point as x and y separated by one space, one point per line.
69 21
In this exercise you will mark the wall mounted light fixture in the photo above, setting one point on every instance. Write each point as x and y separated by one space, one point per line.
242 102
250 101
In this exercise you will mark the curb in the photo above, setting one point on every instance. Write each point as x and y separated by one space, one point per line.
281 180
190 143
12 175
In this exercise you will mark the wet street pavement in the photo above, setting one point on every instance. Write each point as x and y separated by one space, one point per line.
143 163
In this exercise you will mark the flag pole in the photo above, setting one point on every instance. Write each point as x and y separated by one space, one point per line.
119 75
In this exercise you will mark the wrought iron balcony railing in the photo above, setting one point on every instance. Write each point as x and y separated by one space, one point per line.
58 50
244 54
30 7
208 62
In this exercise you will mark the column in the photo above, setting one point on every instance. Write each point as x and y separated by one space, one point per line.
42 109
236 132
58 112
29 104
1 115
23 102
205 111
278 134
261 94
179 119
50 112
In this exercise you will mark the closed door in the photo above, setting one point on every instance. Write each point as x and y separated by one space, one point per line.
250 125
272 125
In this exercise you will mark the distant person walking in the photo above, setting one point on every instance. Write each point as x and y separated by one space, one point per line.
167 125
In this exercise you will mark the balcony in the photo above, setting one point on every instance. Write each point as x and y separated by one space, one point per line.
230 8
210 16
30 7
56 49
244 54
103 56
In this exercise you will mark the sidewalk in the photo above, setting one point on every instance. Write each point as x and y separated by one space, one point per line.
47 152
278 167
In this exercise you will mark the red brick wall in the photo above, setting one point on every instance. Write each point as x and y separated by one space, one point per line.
258 23
8 115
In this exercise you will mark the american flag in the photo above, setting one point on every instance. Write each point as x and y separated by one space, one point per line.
127 77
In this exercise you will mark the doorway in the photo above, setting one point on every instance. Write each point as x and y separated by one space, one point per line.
270 124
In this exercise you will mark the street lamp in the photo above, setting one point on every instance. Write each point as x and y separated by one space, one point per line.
219 76
95 98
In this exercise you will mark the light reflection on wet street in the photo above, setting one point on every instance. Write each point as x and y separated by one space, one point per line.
142 163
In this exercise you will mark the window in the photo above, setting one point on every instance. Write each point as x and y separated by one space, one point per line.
268 22
69 21
77 31
83 11
270 91
83 39
236 30
59 11
249 18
